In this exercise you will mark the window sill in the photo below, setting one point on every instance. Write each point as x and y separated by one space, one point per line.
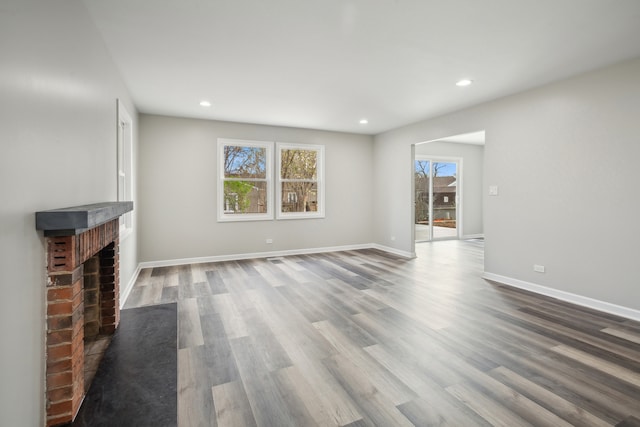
300 216
125 233
245 218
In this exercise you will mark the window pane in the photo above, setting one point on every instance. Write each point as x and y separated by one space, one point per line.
242 197
299 197
298 164
245 161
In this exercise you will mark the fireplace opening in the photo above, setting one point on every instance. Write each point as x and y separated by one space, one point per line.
96 340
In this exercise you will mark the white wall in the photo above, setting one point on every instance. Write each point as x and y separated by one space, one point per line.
565 159
177 215
472 175
58 90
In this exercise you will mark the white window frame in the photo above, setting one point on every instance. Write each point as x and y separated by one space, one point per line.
268 215
320 213
124 172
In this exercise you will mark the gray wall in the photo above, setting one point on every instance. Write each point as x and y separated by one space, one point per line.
178 192
472 172
572 145
58 90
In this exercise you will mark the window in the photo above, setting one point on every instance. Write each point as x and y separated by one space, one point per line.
300 189
125 165
244 184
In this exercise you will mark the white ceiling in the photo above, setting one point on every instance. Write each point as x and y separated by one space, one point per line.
326 64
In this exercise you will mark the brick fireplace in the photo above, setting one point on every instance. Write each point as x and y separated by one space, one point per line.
82 296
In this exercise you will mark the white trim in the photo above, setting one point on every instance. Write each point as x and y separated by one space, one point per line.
595 304
412 180
125 233
459 198
125 185
394 251
472 236
235 257
124 292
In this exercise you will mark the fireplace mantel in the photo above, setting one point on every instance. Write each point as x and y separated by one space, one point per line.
77 219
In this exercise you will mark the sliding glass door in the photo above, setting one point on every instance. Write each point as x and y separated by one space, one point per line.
436 199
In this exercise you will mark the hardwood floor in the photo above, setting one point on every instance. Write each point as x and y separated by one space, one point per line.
367 338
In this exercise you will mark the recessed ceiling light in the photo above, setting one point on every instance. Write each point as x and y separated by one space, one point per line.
364 121
464 82
205 104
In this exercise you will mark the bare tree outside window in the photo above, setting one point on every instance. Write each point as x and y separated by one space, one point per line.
245 179
300 192
299 180
422 179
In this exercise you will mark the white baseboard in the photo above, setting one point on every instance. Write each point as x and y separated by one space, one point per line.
595 304
395 251
253 255
125 291
472 236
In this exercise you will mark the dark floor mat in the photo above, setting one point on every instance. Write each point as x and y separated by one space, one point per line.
136 382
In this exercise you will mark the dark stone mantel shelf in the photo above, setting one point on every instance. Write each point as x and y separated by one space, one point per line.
77 219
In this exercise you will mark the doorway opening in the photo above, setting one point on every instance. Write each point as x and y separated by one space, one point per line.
447 188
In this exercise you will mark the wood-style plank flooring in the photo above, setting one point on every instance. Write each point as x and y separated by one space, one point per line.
363 337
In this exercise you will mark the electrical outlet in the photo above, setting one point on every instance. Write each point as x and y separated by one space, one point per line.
393 238
269 241
538 268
